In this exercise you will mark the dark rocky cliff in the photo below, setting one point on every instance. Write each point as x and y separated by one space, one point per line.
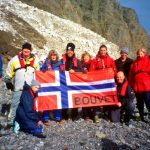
106 17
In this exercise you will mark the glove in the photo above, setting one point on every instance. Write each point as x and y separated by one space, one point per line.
10 86
43 70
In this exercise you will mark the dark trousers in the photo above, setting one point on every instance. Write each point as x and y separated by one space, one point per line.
87 112
143 97
127 110
70 113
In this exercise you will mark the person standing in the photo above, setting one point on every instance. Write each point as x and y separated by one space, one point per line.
103 60
52 62
139 78
86 62
100 62
69 60
124 62
71 64
21 69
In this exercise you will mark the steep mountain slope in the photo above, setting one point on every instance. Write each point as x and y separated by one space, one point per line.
45 31
106 17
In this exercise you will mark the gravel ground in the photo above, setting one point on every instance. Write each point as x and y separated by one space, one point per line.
77 135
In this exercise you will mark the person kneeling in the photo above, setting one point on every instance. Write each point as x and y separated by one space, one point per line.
126 97
27 118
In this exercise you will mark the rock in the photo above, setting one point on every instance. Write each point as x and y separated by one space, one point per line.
100 135
46 31
10 147
2 147
114 22
40 144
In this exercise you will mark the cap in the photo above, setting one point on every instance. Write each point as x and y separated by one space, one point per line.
27 46
124 50
35 83
70 46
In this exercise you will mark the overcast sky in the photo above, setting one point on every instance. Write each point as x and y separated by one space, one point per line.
142 8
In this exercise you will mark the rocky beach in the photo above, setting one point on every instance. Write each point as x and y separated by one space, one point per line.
76 135
21 22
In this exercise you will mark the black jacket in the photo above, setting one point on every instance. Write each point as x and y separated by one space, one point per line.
70 64
124 66
129 94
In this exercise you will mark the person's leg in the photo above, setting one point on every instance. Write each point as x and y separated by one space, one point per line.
129 110
90 113
58 115
115 114
15 102
86 113
147 100
140 104
74 113
96 114
65 113
79 113
45 117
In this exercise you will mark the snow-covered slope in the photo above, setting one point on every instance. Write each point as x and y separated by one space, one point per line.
56 31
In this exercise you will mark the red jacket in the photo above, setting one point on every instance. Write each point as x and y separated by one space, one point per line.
139 76
86 65
102 62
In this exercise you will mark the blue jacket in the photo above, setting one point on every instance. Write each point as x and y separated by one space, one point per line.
48 65
25 115
1 66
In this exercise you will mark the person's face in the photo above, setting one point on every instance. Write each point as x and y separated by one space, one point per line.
70 53
124 55
35 89
86 58
120 77
26 52
103 51
53 57
140 54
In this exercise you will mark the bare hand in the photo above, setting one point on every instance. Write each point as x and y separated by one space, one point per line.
119 104
71 71
39 123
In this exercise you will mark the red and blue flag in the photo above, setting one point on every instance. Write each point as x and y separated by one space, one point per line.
61 90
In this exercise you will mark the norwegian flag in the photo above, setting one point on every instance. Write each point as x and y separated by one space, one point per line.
61 90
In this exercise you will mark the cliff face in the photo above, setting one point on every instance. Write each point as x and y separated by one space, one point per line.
45 31
105 17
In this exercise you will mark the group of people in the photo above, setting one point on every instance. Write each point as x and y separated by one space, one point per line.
132 80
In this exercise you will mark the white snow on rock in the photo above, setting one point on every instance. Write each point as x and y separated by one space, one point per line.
57 31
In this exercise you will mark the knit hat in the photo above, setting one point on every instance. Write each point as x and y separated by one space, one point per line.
124 50
27 46
70 46
35 83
